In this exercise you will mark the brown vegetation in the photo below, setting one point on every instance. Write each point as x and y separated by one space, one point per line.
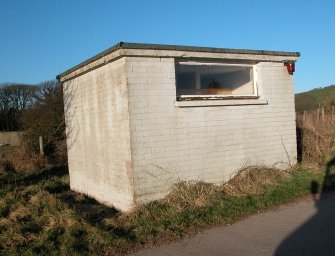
316 136
248 181
23 160
253 179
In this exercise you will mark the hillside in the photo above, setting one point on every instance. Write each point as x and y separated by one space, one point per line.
312 99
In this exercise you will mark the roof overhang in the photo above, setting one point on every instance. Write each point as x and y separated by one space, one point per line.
174 51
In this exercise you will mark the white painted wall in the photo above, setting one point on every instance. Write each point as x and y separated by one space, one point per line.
97 126
129 142
170 143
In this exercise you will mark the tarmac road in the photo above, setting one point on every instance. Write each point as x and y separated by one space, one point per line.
303 228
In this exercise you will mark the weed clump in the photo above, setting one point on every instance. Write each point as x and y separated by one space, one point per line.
253 180
22 160
191 194
25 160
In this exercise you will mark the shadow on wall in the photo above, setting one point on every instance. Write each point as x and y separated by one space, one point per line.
69 91
317 235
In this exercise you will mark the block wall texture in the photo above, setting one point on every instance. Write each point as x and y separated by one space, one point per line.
98 137
171 144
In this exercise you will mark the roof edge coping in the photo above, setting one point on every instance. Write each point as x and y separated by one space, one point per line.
125 45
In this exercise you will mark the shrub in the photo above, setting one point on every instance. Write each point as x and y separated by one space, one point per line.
24 160
45 118
59 155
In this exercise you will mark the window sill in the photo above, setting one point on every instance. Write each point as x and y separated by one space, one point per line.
221 102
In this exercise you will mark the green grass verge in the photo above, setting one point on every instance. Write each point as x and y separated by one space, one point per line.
39 214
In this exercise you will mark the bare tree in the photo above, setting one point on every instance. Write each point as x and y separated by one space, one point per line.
23 95
5 107
14 99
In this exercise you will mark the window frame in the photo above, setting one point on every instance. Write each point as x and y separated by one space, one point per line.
218 96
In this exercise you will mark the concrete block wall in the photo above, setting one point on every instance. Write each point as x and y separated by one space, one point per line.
98 135
129 140
209 143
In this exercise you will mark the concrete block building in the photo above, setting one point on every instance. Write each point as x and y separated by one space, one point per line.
141 117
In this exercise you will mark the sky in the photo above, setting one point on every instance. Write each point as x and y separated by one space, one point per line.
41 38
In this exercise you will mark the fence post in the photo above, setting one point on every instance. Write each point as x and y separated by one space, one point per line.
318 114
333 110
41 145
304 115
323 113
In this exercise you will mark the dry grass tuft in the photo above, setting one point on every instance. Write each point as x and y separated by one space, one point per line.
191 194
317 137
252 180
34 200
25 160
22 159
64 219
19 213
4 223
15 239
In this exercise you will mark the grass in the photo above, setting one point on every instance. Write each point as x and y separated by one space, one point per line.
39 214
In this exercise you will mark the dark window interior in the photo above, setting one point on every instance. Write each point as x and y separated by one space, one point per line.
204 79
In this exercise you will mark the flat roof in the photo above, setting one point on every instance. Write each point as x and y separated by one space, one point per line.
124 45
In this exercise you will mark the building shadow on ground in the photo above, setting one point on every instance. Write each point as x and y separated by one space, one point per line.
91 210
317 235
33 178
49 179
